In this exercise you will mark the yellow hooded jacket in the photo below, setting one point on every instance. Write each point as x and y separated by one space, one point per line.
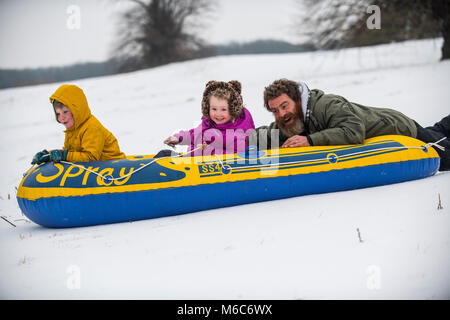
87 139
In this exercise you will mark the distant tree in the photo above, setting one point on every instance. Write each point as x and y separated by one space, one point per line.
25 77
155 32
262 46
337 24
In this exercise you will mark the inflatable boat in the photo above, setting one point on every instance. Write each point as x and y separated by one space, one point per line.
141 187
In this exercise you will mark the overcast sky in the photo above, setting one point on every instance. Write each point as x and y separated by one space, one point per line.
61 32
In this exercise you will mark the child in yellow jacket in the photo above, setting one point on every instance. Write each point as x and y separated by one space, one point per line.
86 138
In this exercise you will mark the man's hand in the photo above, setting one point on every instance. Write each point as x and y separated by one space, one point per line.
296 141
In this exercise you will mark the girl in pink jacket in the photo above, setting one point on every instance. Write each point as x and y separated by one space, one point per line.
225 122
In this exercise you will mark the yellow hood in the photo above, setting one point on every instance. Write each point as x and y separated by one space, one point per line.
74 98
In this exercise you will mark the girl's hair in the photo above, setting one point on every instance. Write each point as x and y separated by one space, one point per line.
230 91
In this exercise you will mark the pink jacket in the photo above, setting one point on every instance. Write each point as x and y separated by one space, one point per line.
224 138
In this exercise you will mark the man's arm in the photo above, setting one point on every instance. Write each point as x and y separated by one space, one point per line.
341 125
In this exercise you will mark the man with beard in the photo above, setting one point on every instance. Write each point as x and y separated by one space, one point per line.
305 117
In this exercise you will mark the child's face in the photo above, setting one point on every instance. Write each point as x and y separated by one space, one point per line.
64 116
218 110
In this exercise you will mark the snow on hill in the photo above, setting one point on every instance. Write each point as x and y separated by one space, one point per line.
299 248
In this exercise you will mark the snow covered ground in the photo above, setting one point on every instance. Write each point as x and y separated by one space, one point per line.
299 248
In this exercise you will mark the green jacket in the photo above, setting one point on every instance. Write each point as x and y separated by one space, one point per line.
332 120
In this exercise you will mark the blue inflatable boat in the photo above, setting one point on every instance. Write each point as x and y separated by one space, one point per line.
60 195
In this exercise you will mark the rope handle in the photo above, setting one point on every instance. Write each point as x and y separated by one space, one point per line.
436 144
107 178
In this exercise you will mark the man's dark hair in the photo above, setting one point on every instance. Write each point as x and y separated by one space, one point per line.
278 87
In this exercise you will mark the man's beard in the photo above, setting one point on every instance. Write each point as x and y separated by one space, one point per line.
296 128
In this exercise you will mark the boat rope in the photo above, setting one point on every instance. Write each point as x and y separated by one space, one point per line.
109 178
335 159
436 144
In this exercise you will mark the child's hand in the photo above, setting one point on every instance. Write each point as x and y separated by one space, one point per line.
172 141
203 145
41 157
58 155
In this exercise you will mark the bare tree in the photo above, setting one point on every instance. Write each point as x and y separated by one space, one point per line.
156 32
441 12
338 24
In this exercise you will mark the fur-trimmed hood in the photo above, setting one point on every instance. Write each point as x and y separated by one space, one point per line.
235 103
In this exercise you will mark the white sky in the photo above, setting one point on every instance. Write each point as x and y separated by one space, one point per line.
35 33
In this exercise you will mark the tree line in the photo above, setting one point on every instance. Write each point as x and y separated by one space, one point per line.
24 77
157 32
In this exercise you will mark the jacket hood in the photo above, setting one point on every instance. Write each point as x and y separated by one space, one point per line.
73 97
304 95
235 103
